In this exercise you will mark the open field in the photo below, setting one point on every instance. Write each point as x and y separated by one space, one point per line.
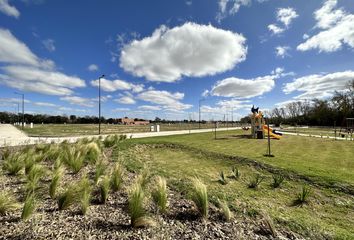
63 130
324 166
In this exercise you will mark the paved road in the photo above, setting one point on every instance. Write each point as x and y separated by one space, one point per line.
11 136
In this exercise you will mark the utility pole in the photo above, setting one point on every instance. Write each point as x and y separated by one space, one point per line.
99 104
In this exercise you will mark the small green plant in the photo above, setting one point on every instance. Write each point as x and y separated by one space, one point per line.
74 158
138 214
200 196
159 194
77 193
8 202
303 195
254 183
225 210
117 177
235 173
110 141
143 178
278 179
29 161
5 154
57 175
29 206
100 171
34 176
13 164
222 178
93 152
104 189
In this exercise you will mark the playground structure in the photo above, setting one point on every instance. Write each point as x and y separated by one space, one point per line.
258 126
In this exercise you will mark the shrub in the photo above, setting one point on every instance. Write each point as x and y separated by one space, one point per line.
159 194
13 164
254 183
117 177
5 154
222 178
138 215
57 175
104 189
200 197
74 158
100 171
235 173
225 210
29 206
7 202
303 196
278 179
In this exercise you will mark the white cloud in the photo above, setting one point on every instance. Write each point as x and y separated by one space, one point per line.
40 81
14 51
49 44
319 85
75 100
67 109
120 109
169 101
230 7
243 88
286 15
189 3
92 67
149 108
282 51
9 10
337 29
125 100
115 85
45 104
190 50
275 29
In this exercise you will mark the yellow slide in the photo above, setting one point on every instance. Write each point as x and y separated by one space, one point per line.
273 135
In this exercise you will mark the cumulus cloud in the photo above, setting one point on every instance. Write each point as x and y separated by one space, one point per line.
92 67
285 16
9 10
169 101
126 100
149 108
115 85
275 29
49 44
319 85
41 81
336 29
75 100
282 51
190 50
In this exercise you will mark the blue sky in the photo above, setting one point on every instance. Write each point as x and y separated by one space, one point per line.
160 57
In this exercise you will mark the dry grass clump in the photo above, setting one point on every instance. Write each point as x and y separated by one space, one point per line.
225 210
8 202
138 214
29 207
73 157
222 180
56 177
143 178
99 171
117 177
303 195
34 176
93 152
278 179
104 188
200 196
159 194
255 181
235 173
13 164
110 141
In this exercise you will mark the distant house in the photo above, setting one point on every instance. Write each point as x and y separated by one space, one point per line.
131 121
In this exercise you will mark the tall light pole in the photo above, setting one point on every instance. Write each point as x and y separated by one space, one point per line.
99 104
23 108
200 100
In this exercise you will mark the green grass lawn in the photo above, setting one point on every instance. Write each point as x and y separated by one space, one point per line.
61 130
325 161
327 215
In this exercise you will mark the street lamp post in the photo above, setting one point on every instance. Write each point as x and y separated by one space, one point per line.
23 108
200 100
99 104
